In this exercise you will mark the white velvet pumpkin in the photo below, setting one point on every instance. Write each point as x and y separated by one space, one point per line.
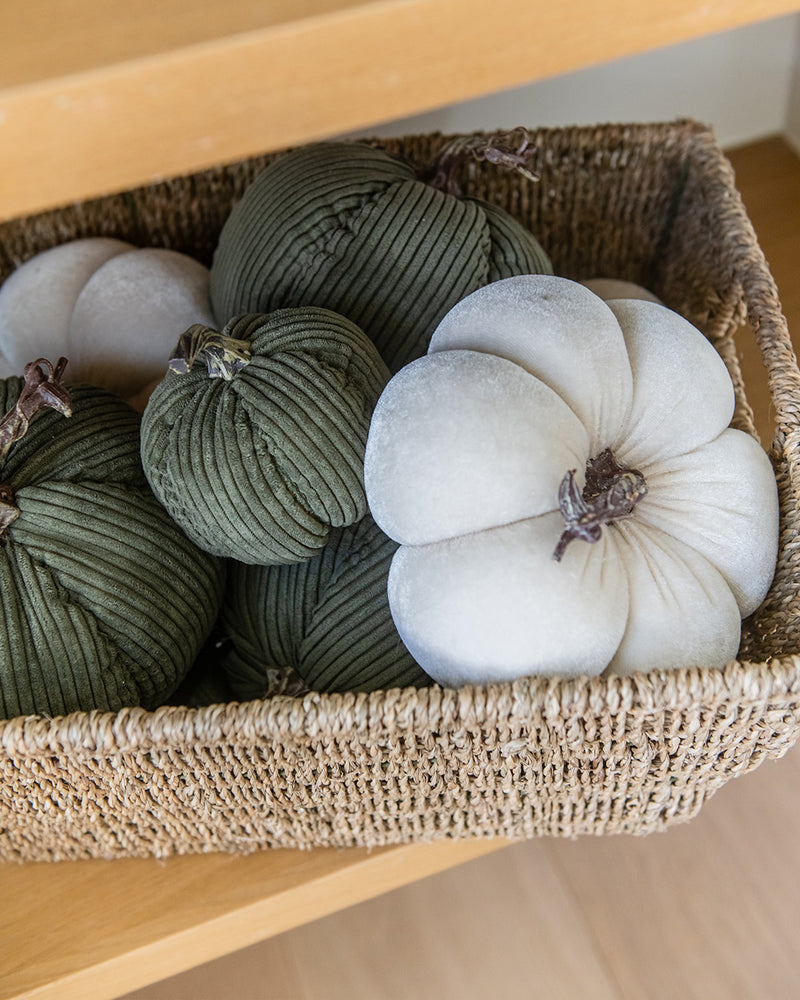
115 310
477 463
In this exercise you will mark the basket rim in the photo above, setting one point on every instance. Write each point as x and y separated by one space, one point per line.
692 128
530 702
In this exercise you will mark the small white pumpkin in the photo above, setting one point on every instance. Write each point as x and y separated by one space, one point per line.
115 310
566 490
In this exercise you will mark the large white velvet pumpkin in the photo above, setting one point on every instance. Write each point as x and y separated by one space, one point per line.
568 495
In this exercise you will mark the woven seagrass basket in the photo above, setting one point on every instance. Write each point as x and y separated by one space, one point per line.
655 204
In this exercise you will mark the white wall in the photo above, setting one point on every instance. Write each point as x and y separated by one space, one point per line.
793 104
744 82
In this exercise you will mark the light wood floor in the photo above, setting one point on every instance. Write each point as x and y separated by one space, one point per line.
706 911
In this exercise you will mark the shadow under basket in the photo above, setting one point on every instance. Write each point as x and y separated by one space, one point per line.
655 204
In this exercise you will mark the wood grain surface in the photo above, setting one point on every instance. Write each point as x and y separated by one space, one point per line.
98 97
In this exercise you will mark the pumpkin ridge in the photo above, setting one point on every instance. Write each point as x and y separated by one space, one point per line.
297 518
331 253
445 254
328 249
44 447
253 588
313 188
139 569
327 618
337 462
508 254
662 583
122 639
448 271
13 702
276 460
97 487
354 372
657 537
171 483
107 653
328 638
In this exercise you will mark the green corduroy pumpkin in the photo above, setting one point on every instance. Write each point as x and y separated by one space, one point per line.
352 228
105 602
326 620
257 448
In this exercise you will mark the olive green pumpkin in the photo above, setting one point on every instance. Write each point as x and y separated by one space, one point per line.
259 464
326 620
104 601
206 683
352 228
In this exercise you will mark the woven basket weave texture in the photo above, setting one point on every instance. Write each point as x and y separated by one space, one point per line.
655 204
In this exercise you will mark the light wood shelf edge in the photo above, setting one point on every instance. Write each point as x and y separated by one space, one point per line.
163 112
93 930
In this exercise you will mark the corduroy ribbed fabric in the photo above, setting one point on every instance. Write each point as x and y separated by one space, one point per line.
261 467
328 619
349 227
104 602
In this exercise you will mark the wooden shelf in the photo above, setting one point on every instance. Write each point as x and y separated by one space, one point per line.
92 930
98 97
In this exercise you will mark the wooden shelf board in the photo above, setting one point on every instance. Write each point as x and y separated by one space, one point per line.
117 105
92 930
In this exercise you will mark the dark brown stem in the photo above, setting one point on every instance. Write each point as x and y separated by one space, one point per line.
224 356
43 387
610 493
9 511
512 150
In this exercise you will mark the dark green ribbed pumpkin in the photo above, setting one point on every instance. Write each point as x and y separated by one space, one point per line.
352 228
327 619
105 602
206 682
260 467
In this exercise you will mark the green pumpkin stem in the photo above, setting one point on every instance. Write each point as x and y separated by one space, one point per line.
512 150
43 387
224 356
610 493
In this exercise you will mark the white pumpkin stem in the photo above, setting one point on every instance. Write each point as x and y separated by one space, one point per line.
610 493
512 150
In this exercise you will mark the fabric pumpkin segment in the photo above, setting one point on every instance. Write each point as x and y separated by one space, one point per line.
258 456
646 538
349 227
327 620
105 602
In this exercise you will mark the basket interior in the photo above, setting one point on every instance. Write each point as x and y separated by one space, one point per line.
646 203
